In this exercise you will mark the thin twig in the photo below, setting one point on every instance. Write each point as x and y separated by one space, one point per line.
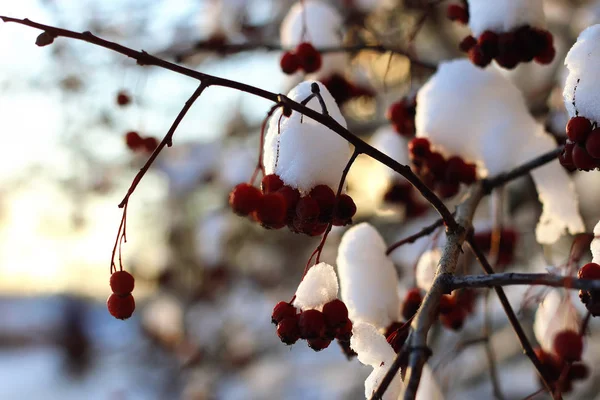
428 230
517 278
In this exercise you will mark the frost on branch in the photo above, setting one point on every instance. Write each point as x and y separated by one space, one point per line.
556 313
489 124
368 279
319 286
320 24
504 15
301 151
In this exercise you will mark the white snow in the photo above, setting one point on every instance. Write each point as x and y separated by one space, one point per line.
504 15
392 144
582 63
489 124
556 313
318 287
321 25
300 150
426 268
595 245
372 382
368 279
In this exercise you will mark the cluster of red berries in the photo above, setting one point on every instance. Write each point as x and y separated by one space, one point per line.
123 98
453 310
404 193
135 142
591 299
508 243
278 205
582 149
121 303
305 57
568 348
343 90
458 13
318 328
441 174
402 116
524 44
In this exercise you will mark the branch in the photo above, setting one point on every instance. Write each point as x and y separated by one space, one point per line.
517 278
427 230
144 58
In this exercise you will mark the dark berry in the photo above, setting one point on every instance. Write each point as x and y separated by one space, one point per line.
318 344
447 190
582 160
566 157
345 210
546 56
467 43
454 168
288 330
120 307
122 283
447 304
281 311
589 271
411 303
457 13
272 211
437 165
150 144
592 143
134 141
578 128
568 345
123 98
488 43
311 324
579 371
244 199
345 332
309 58
479 57
271 183
454 319
307 209
289 63
419 148
325 197
335 313
292 196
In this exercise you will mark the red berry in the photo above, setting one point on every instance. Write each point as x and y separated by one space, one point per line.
447 190
244 199
281 311
309 58
325 197
133 140
397 112
150 144
454 319
551 365
468 173
488 42
311 324
123 98
318 344
454 12
289 63
568 345
447 304
526 43
288 330
589 271
566 157
582 160
345 332
578 371
465 299
122 283
546 56
397 338
120 307
578 128
479 57
592 144
412 302
454 168
314 228
307 209
335 313
271 183
437 165
345 210
272 211
419 148
291 198
467 43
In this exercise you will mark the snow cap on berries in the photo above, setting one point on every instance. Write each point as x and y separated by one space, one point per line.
489 124
389 142
368 279
583 81
320 24
504 15
556 313
319 286
301 151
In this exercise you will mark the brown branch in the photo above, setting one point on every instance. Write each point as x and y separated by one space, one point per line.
512 318
428 230
517 278
144 58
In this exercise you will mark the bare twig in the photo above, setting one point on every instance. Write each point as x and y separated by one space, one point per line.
428 230
516 278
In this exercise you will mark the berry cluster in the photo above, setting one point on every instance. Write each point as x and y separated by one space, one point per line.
453 310
508 242
458 13
121 303
567 348
441 174
305 57
402 116
135 142
524 44
318 328
278 205
582 149
343 90
591 299
404 193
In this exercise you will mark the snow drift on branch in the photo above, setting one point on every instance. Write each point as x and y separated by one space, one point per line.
368 279
300 150
319 24
489 124
582 86
504 15
319 286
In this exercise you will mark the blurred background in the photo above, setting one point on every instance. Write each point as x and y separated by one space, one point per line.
206 280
